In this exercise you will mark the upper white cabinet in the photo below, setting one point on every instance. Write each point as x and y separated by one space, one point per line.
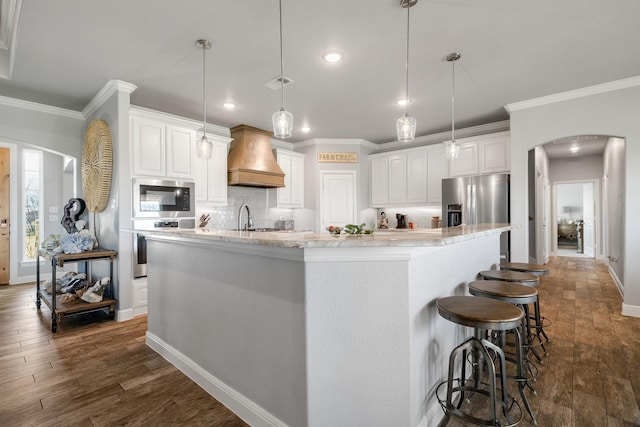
210 175
483 155
292 194
160 149
437 170
399 178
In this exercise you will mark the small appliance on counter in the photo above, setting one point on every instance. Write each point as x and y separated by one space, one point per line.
285 224
402 220
435 222
384 222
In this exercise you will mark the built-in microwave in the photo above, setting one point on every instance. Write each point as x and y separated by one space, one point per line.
156 198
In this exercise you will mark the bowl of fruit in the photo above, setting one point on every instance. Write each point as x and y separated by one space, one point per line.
335 230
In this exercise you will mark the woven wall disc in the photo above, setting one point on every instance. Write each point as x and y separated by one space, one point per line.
97 158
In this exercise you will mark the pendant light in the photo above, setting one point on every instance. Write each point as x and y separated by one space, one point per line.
452 147
282 120
406 125
204 146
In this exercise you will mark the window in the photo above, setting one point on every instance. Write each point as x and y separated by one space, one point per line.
32 181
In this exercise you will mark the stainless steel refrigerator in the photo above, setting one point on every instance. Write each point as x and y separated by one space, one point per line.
477 199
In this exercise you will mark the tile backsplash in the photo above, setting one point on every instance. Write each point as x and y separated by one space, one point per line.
226 217
421 217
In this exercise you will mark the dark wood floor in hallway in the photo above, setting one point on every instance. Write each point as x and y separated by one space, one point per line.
99 374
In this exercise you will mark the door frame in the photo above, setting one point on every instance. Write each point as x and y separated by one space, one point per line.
598 224
13 209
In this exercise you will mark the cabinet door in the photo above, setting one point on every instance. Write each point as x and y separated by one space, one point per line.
297 186
379 181
148 148
467 161
417 177
494 155
217 174
180 142
284 193
397 179
437 170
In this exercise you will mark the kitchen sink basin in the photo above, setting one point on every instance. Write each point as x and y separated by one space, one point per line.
260 230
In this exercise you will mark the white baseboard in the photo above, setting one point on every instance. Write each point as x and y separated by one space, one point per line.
242 406
122 315
139 311
616 280
630 310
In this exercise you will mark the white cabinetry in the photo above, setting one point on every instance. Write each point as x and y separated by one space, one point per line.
399 178
338 198
160 149
437 170
292 194
211 174
484 154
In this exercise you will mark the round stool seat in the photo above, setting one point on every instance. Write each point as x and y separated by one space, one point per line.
511 276
535 269
513 293
480 313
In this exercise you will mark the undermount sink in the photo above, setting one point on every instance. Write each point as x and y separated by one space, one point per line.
260 230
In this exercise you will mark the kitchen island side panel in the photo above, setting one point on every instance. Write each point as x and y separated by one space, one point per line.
239 318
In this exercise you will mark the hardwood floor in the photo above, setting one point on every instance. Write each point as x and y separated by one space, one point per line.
90 374
99 374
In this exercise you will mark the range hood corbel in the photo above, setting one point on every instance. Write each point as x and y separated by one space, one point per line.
250 162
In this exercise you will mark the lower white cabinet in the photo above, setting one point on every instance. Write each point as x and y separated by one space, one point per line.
292 194
211 174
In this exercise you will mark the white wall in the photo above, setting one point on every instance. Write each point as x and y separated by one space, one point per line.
53 130
584 168
610 109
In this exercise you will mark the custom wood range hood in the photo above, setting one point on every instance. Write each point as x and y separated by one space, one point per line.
251 162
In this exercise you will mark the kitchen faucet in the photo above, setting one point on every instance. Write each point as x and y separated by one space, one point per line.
249 225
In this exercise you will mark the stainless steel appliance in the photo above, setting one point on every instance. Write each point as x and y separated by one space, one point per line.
140 243
477 199
156 198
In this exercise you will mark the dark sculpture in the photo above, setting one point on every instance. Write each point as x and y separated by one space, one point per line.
72 212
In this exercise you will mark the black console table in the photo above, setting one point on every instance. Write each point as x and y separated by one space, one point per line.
60 309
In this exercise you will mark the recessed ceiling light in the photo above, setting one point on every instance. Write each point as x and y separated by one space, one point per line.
305 129
229 105
333 56
574 149
403 101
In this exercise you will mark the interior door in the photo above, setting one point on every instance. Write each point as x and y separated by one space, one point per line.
338 198
588 234
4 216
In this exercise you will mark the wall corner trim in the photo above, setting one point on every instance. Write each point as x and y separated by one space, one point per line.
107 90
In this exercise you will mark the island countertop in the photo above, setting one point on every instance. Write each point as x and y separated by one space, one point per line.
380 238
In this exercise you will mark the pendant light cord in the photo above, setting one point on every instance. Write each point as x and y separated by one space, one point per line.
281 59
204 90
406 90
453 101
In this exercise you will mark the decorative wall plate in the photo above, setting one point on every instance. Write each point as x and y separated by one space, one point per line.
97 158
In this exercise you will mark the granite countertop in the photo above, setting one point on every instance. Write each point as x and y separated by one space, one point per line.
380 238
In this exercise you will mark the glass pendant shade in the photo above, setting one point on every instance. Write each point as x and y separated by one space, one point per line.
282 123
406 128
451 150
205 148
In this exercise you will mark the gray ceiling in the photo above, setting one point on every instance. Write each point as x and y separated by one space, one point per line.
512 50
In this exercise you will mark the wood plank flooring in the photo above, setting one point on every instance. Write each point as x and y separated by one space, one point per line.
103 374
92 372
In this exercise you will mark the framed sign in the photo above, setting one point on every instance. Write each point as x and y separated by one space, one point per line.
338 157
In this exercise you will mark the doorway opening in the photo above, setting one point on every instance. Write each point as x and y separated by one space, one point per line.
575 220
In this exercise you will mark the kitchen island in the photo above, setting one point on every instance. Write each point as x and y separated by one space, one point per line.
314 329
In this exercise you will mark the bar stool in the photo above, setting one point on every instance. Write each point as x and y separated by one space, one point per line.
536 270
521 296
483 315
524 279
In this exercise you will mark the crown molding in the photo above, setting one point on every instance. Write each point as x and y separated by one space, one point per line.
195 125
41 108
574 94
339 141
112 86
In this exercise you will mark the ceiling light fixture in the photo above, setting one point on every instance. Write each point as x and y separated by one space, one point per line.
282 120
574 149
305 129
406 125
204 146
333 56
452 148
403 101
229 105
